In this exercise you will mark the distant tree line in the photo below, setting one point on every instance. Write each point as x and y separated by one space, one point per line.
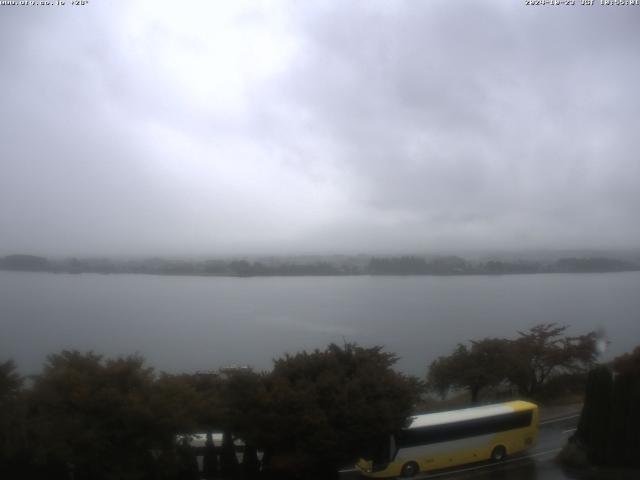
89 417
398 265
452 265
541 362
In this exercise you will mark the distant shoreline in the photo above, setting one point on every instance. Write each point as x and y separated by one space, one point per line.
400 266
352 275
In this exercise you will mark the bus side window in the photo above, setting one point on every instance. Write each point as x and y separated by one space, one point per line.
468 428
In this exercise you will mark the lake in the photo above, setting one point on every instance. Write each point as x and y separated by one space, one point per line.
201 323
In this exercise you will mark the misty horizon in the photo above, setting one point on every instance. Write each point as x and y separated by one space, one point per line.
470 254
294 129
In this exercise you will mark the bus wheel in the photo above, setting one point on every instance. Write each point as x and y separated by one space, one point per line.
498 453
409 469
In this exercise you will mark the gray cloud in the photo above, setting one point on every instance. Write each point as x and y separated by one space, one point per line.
328 126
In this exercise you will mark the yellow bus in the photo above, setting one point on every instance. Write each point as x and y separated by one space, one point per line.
440 440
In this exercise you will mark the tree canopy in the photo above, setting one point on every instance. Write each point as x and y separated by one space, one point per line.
481 365
609 427
544 350
329 406
12 420
96 418
527 362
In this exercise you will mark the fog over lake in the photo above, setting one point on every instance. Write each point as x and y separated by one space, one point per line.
200 323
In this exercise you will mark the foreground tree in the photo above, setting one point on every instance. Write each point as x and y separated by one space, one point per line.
244 403
209 460
529 362
178 407
595 420
482 365
12 421
328 407
544 351
92 418
194 399
10 381
609 428
625 417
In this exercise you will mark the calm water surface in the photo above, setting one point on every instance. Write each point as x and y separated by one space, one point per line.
194 323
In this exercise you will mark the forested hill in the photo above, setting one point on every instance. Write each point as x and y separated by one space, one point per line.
319 266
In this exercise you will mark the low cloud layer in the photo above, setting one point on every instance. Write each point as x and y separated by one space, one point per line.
287 127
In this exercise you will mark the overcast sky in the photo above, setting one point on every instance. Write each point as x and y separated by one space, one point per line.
217 128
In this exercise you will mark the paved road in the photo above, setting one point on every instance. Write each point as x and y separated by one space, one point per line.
535 464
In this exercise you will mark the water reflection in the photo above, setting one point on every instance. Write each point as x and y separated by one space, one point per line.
185 324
